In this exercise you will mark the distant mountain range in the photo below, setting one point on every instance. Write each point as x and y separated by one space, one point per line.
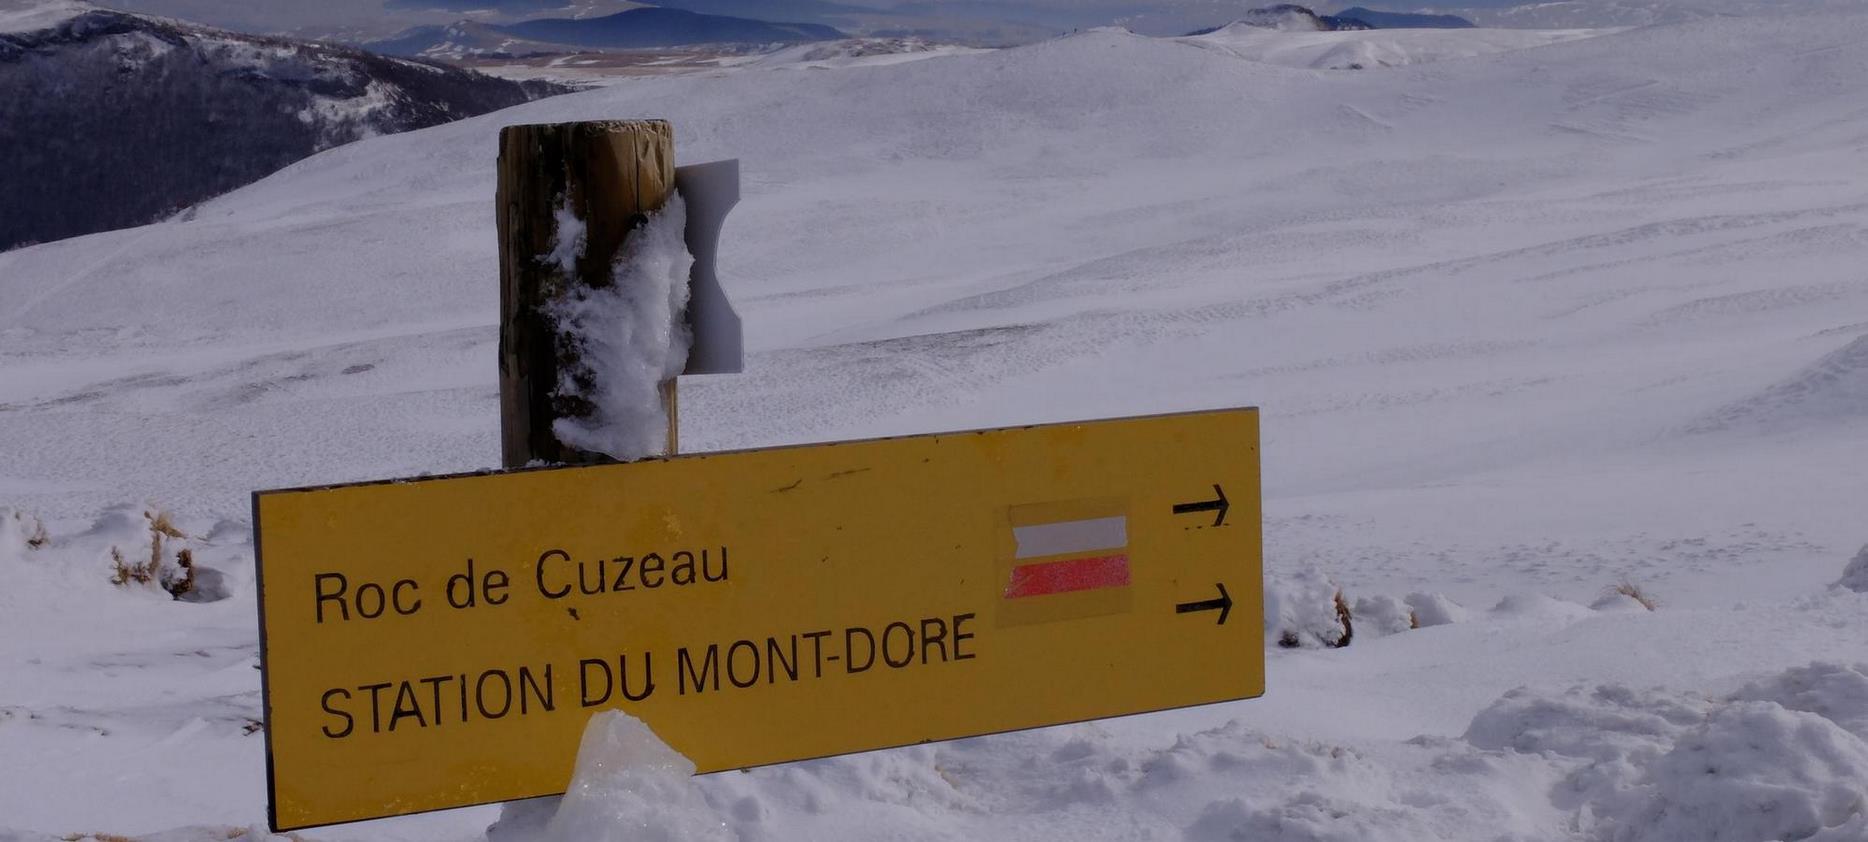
801 11
660 27
631 29
110 119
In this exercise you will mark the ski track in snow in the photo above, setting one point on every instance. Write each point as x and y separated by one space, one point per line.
1524 325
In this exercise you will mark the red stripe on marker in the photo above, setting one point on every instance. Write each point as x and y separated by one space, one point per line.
1073 574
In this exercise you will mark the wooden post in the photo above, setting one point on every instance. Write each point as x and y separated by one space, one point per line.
611 175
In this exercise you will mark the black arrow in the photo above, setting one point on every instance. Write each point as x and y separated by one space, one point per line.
1223 605
1222 505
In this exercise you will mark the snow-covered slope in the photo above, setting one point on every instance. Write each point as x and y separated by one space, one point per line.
1373 48
857 52
1524 327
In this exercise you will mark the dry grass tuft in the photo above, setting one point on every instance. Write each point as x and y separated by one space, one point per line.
31 527
154 569
123 572
161 524
185 560
1342 613
1634 592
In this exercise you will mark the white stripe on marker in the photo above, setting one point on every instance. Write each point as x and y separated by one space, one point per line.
1072 536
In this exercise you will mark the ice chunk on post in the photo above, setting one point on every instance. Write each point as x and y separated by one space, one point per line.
631 336
629 787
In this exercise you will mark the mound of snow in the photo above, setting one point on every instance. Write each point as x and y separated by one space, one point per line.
1432 609
1270 789
1539 607
1380 616
1607 724
20 533
1834 691
629 787
1782 759
1617 602
1302 610
1753 772
1855 575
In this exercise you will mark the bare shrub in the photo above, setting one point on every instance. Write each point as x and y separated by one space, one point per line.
154 568
30 529
1342 613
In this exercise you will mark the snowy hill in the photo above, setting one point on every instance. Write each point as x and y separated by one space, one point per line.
110 119
1574 14
858 52
1525 326
1373 48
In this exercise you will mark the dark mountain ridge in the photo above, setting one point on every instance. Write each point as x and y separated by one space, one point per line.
1291 17
1404 20
109 119
794 11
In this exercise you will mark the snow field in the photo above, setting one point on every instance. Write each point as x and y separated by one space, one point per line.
1524 326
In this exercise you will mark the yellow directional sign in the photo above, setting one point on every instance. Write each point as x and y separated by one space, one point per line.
441 642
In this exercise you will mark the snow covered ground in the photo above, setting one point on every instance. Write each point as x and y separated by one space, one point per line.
1524 327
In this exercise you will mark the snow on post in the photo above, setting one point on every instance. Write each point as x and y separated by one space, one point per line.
593 289
631 338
